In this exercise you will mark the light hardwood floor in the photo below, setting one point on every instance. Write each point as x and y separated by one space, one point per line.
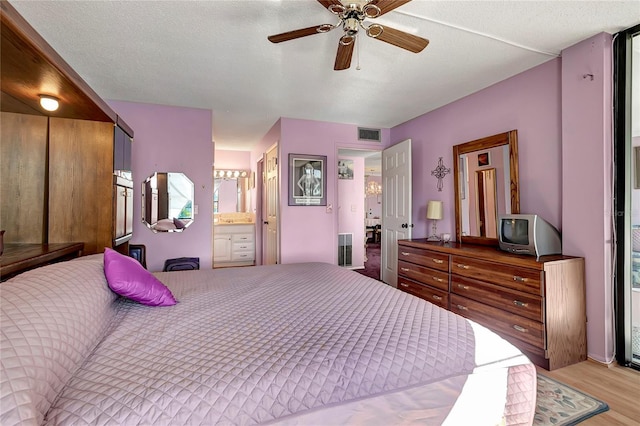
617 386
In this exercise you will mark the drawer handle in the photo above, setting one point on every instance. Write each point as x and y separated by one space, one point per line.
438 261
404 285
438 279
520 329
462 308
520 279
460 265
434 297
520 304
406 253
405 269
464 287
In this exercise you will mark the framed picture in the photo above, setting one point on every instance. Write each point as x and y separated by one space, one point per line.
307 180
345 169
483 159
636 167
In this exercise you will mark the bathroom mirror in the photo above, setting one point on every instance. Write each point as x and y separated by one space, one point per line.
486 185
231 191
167 202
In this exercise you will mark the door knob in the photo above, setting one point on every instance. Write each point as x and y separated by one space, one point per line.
266 222
404 225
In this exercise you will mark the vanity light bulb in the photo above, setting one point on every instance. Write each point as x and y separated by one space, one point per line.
49 103
236 173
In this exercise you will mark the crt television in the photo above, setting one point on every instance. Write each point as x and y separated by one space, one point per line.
528 234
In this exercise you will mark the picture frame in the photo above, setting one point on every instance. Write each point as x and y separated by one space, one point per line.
483 159
307 180
345 169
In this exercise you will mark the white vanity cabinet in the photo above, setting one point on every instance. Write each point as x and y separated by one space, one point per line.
234 245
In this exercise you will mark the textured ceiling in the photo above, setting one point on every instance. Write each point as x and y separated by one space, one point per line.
215 54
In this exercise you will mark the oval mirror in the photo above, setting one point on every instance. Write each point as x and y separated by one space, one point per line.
486 186
167 202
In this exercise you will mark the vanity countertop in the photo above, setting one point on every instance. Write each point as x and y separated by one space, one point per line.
232 223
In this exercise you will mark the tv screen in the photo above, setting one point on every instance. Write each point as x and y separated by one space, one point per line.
515 231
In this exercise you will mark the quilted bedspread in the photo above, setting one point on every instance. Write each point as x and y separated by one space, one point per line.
282 343
249 345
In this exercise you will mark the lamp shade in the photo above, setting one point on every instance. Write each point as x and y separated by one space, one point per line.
434 210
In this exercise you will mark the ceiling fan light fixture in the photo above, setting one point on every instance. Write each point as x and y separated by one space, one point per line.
371 11
347 39
374 30
325 28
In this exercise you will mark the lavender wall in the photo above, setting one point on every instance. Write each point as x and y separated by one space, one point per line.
311 233
586 179
172 139
528 102
225 159
351 209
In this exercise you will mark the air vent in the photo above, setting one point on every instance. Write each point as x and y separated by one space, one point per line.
365 134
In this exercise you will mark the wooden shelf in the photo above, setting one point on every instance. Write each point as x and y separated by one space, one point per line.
18 257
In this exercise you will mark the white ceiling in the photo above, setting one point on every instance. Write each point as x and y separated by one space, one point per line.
215 54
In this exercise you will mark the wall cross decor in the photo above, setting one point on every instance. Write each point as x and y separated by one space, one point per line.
440 172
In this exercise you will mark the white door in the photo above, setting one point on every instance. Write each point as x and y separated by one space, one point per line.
270 228
396 206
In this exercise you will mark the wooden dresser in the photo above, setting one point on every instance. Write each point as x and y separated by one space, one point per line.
538 305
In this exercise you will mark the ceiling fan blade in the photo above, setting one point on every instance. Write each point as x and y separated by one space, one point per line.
328 3
343 57
387 5
303 32
407 41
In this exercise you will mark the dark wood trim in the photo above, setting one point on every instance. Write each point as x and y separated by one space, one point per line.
17 258
30 63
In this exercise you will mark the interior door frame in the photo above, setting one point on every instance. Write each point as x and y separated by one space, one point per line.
337 219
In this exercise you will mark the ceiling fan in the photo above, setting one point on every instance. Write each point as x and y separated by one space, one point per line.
351 15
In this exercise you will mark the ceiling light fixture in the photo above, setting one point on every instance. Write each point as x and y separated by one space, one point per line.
49 103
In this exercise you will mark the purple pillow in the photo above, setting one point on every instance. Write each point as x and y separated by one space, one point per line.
128 278
178 223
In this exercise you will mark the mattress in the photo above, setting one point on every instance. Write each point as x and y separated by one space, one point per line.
294 344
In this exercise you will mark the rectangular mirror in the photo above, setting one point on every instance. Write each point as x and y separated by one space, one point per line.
231 191
486 186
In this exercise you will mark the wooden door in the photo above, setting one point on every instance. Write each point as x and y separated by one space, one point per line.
396 206
81 183
23 177
270 255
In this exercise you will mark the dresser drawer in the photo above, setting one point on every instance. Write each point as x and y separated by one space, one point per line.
520 303
500 321
433 295
522 279
424 275
423 257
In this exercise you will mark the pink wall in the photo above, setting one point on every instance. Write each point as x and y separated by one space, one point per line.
528 102
311 233
172 139
586 178
351 209
225 159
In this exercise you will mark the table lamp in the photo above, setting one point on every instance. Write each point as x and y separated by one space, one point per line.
434 212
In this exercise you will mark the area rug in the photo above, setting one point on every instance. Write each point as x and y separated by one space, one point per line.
559 404
372 265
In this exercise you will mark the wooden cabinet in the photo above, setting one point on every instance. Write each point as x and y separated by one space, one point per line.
56 168
123 210
538 305
234 245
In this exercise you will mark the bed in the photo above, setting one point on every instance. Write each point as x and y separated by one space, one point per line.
291 344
